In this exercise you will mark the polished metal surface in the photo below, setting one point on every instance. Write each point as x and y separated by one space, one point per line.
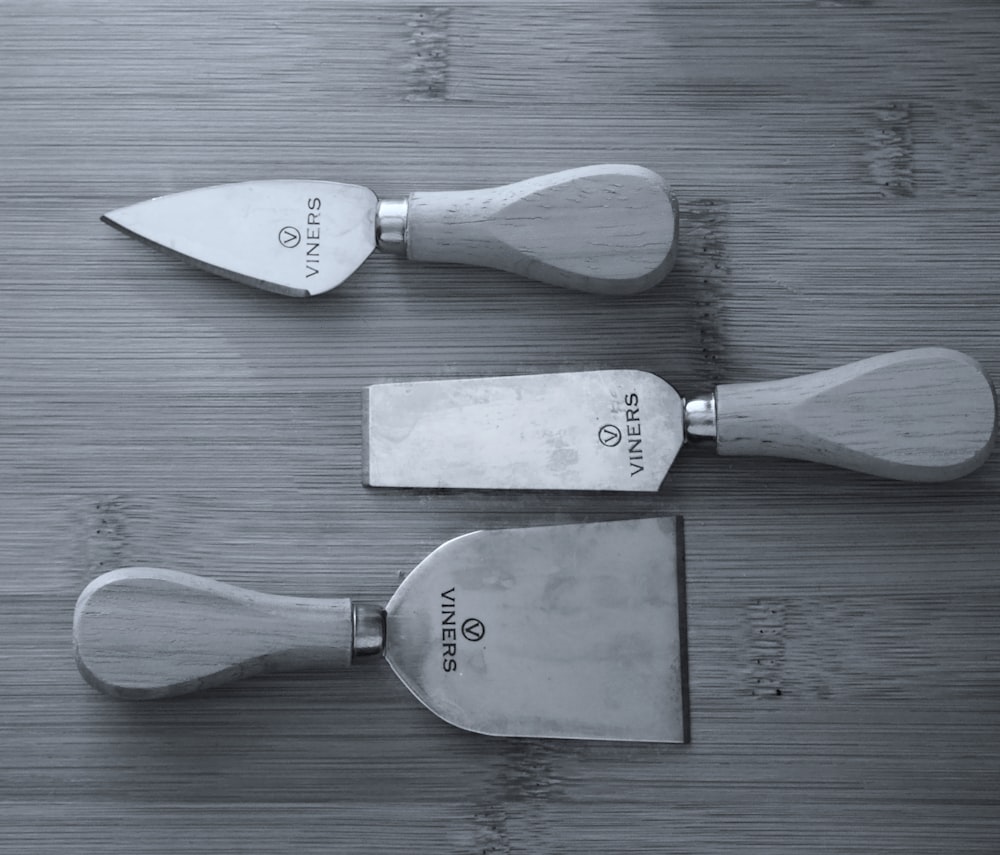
369 630
699 417
390 225
571 631
587 430
298 238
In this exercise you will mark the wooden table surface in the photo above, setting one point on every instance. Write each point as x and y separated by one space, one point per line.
837 166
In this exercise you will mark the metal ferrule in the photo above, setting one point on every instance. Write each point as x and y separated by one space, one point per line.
390 225
699 417
369 630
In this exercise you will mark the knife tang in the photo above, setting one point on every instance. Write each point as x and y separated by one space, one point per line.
609 229
390 225
927 414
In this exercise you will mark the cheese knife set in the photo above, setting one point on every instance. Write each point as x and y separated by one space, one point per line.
567 631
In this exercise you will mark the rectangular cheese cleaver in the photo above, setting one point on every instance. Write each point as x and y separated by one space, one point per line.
569 631
927 414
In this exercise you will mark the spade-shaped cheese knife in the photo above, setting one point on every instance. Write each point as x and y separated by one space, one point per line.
609 229
571 631
927 414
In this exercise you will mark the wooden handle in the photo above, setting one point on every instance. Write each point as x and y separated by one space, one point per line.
607 229
927 414
141 632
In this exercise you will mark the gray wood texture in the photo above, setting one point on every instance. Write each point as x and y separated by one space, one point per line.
143 633
923 414
835 165
606 229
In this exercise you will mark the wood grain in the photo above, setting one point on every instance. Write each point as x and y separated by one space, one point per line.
835 170
924 414
607 229
144 633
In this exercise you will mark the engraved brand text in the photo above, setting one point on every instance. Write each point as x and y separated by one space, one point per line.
312 237
448 631
633 433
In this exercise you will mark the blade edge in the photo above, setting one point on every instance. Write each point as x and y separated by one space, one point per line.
419 434
670 725
225 273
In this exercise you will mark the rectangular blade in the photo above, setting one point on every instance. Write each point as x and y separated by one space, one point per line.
569 631
587 430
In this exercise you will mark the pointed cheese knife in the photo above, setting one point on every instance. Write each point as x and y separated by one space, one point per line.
570 631
608 229
927 414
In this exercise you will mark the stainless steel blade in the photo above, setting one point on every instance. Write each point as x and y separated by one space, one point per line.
570 631
588 430
299 238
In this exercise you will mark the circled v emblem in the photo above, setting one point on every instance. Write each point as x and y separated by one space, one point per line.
610 435
289 237
473 629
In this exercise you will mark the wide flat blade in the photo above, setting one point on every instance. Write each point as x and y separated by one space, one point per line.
588 430
572 631
299 238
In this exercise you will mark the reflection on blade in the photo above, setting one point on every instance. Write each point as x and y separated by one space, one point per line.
571 631
587 430
298 238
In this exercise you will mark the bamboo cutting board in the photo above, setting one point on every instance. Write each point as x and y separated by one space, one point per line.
835 165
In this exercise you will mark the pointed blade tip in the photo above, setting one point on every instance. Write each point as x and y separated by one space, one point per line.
109 220
185 225
262 285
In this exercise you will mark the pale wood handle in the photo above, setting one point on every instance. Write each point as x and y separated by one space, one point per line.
142 632
927 414
609 229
